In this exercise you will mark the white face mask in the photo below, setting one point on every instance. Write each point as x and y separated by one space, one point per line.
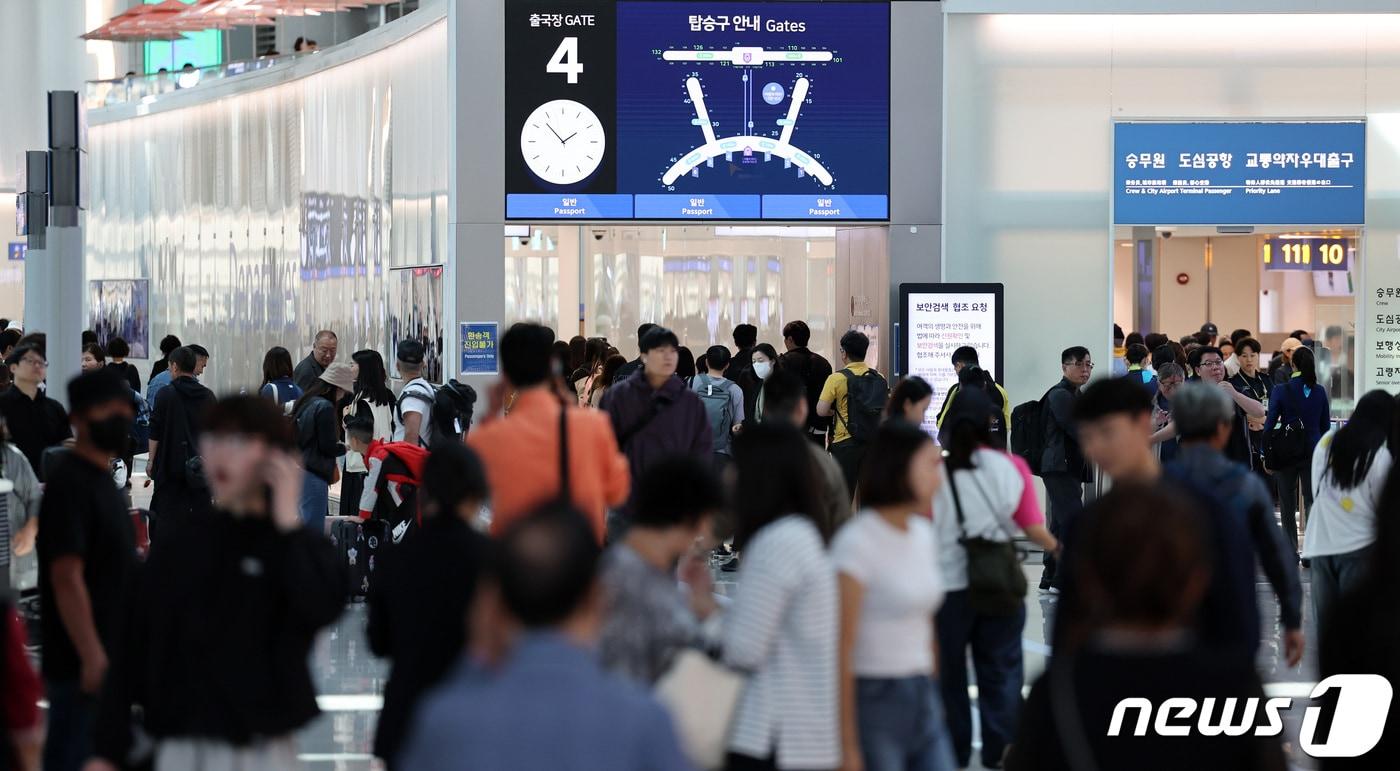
763 369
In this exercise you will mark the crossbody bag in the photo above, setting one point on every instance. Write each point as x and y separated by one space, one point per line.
996 585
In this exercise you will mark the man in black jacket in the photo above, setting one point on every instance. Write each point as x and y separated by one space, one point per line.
812 368
173 465
217 649
1063 467
323 350
419 602
634 366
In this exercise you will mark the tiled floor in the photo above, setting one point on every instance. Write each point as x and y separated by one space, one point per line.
351 680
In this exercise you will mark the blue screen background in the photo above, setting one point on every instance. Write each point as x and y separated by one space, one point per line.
846 126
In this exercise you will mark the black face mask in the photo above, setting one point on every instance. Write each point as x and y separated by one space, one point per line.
111 434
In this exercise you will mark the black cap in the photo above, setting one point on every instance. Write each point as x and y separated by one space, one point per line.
410 352
97 387
1210 329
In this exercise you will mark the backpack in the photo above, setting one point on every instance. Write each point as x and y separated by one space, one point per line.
1028 433
141 426
718 409
865 403
452 406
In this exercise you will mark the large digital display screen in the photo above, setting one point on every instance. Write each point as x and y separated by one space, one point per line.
652 109
1239 173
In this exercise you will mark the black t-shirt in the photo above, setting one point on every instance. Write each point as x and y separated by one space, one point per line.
127 370
83 515
1102 678
35 424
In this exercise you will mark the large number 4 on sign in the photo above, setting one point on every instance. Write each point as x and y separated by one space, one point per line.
565 60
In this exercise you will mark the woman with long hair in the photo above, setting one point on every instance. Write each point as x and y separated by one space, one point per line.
595 354
782 626
277 382
316 416
605 380
578 354
167 344
891 708
991 492
765 358
1349 469
910 400
1301 403
685 365
373 402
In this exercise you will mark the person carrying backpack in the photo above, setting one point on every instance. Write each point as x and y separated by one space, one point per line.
855 395
723 400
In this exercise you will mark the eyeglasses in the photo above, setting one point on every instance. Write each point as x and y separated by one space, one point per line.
1212 363
40 363
1086 364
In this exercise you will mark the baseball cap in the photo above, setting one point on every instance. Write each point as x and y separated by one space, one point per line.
1291 344
410 352
1210 329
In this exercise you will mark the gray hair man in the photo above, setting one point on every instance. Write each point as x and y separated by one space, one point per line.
1242 513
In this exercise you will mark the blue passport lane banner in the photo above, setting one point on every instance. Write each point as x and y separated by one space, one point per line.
696 206
557 206
820 207
1239 173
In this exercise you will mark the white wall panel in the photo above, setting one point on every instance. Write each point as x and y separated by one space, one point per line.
261 217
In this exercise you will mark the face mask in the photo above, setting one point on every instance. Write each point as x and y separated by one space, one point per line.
763 369
110 434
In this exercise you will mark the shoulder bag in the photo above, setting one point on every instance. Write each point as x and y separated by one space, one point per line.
702 696
996 586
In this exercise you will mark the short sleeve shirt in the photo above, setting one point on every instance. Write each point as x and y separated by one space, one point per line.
835 392
903 589
417 396
83 515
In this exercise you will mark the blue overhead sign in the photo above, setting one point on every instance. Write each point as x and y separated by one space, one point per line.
1239 173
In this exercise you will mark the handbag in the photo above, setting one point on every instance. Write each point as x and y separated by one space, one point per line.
996 585
702 696
1287 446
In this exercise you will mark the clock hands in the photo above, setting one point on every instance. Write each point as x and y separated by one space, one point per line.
555 133
565 140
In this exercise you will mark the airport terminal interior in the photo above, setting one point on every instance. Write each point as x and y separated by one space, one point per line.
699 384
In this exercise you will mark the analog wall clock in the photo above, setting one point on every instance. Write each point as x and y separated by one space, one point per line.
562 142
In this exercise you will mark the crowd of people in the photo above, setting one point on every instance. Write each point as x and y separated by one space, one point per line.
543 590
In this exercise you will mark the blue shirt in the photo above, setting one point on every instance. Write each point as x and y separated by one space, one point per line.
154 387
281 390
550 706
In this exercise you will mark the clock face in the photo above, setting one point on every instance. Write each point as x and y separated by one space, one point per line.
562 142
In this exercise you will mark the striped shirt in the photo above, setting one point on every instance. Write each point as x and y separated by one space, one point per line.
783 628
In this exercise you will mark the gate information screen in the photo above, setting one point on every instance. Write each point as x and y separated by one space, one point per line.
664 110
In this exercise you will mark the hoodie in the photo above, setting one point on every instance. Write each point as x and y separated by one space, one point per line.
176 424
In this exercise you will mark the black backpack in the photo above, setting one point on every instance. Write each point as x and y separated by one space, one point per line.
1028 433
453 405
865 403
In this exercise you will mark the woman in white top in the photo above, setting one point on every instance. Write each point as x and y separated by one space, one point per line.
996 498
1349 468
782 626
891 710
373 400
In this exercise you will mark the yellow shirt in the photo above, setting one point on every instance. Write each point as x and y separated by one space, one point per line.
835 392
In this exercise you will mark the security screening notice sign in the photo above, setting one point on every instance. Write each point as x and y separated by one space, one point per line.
937 319
1237 173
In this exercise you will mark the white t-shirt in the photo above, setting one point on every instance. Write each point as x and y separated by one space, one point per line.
990 493
417 396
903 589
1342 521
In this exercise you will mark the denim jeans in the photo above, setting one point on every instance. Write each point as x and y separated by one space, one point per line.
901 725
1289 480
1000 668
1333 577
72 720
315 502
